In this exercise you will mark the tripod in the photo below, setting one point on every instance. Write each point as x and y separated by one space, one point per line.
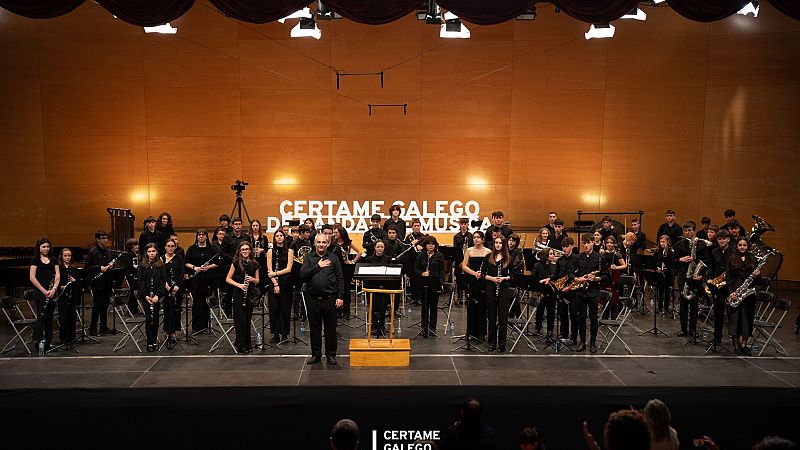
298 297
655 330
238 204
467 337
84 336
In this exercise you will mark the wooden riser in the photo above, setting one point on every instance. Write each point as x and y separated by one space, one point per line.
378 353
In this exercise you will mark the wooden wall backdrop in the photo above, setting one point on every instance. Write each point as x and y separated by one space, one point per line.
525 116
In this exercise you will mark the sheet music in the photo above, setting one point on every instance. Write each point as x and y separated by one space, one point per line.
372 270
394 270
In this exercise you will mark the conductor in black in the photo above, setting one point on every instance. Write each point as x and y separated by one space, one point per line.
324 292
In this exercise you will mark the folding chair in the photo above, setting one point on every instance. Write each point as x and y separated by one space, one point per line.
20 326
518 326
767 327
132 325
221 323
614 326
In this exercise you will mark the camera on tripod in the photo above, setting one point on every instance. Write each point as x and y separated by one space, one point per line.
239 186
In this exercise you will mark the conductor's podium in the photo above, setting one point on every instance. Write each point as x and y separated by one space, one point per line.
386 352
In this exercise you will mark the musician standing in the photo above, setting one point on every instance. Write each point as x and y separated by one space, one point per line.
665 262
373 235
150 235
394 219
280 261
393 245
174 270
341 247
225 253
201 259
720 256
640 244
238 235
731 223
474 265
429 268
67 301
552 217
152 289
130 264
740 319
544 272
461 242
414 240
607 229
44 275
567 312
588 268
498 292
165 227
324 291
243 278
558 234
258 242
670 228
98 263
705 224
685 259
499 222
380 300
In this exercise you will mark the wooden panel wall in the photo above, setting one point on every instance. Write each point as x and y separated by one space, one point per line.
525 116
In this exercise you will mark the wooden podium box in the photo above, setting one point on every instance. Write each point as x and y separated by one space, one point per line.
391 352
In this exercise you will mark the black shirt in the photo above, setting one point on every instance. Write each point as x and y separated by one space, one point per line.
674 231
45 273
434 265
322 282
372 236
393 248
197 256
147 237
461 242
98 256
719 260
682 249
152 280
587 263
400 225
280 260
566 266
174 270
224 257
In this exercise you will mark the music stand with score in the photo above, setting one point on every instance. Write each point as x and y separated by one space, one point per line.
380 279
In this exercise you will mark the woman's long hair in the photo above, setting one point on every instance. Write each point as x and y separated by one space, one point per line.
736 257
39 243
505 257
238 260
144 263
658 419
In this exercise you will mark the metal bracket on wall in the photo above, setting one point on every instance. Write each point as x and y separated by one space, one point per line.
403 105
357 74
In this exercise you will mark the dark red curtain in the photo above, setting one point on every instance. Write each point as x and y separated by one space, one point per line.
146 13
374 12
486 12
789 7
592 11
259 11
40 9
707 10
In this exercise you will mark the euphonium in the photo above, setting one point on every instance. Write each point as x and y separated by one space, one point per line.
301 254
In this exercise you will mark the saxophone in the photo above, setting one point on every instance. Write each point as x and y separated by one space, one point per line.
559 283
694 269
575 285
742 292
718 282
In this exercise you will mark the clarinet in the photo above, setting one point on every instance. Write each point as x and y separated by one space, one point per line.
246 285
497 288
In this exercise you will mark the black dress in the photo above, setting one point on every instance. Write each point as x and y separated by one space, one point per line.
476 309
280 305
740 318
152 282
200 284
46 276
243 303
172 303
498 299
68 303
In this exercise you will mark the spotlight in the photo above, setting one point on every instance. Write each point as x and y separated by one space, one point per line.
530 14
453 28
750 8
305 12
306 28
599 31
323 13
636 14
656 2
162 29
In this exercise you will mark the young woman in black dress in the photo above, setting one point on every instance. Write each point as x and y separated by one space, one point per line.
44 276
243 279
152 289
280 260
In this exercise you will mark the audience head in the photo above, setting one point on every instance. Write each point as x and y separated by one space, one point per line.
471 412
530 439
626 430
775 443
658 418
345 435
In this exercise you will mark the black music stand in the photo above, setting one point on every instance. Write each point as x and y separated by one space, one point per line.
467 336
651 277
297 298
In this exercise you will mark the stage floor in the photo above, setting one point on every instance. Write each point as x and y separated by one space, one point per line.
657 361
